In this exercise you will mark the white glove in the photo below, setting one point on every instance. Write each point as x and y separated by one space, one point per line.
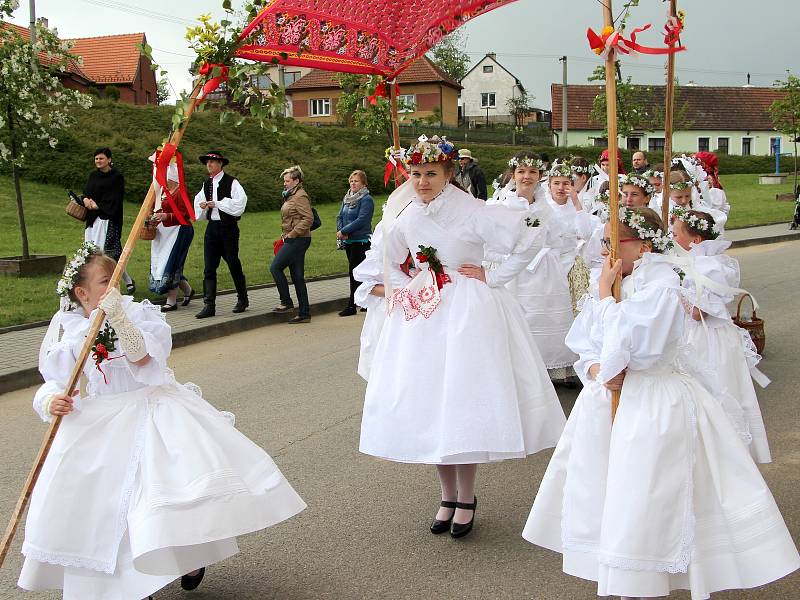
130 338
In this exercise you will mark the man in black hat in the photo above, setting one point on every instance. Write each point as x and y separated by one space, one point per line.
221 202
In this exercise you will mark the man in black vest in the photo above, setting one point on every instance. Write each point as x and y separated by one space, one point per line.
221 202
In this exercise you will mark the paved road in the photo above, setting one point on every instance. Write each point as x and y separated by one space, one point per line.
364 534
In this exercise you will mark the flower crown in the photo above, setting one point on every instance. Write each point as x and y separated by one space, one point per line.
561 169
72 271
680 185
580 169
639 181
428 150
653 173
633 219
526 162
695 222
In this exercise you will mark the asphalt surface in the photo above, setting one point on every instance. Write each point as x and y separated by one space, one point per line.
365 534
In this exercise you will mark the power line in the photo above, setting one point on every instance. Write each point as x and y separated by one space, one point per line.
143 12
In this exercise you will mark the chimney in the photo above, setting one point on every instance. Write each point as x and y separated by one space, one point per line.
44 22
492 55
747 85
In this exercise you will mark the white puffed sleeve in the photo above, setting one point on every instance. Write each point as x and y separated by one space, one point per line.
157 333
637 332
505 232
370 273
55 365
585 337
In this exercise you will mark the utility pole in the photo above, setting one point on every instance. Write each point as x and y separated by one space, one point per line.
33 21
564 123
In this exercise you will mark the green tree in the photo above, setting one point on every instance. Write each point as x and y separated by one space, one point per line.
449 55
785 113
352 97
360 112
162 91
632 112
520 108
34 105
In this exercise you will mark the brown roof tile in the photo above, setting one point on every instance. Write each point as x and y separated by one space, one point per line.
423 70
110 58
718 108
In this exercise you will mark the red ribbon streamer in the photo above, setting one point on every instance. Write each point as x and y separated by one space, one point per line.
614 40
212 84
99 356
163 158
398 169
380 92
672 32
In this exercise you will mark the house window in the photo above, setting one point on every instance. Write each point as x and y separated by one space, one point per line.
407 103
261 82
488 68
633 143
723 144
147 97
320 107
600 142
703 144
655 144
488 100
289 77
774 144
747 146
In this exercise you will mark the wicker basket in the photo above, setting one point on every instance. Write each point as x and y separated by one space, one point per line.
148 231
75 210
754 326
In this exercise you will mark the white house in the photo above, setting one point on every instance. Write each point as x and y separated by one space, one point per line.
487 88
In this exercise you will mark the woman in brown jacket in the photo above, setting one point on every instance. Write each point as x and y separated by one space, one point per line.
296 220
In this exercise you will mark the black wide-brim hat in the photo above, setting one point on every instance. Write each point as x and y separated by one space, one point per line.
214 154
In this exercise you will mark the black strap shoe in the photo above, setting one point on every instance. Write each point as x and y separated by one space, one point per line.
188 298
190 582
459 530
209 310
169 307
438 526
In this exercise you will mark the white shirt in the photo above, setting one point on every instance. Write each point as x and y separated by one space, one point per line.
233 206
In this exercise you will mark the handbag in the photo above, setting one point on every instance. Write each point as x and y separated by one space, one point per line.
74 208
317 222
277 245
754 325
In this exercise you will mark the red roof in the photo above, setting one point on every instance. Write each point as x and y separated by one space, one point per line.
718 108
25 33
423 70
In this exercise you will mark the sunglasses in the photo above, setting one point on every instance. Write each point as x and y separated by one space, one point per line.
607 242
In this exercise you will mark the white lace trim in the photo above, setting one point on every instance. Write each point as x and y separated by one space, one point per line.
63 560
751 355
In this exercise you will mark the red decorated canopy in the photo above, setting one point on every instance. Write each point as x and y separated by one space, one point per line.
355 36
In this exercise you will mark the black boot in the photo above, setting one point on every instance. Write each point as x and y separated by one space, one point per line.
209 299
241 304
190 582
241 292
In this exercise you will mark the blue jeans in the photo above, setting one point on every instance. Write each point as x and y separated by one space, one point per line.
292 255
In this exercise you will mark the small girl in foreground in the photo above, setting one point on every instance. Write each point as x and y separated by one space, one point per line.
145 481
725 352
668 497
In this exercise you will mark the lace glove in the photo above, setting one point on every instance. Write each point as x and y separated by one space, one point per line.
131 340
42 407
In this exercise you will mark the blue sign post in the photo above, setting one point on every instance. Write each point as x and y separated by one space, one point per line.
776 149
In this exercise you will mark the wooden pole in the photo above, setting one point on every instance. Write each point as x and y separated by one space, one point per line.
144 212
668 122
395 119
613 162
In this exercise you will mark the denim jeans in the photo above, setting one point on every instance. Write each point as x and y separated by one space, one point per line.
292 255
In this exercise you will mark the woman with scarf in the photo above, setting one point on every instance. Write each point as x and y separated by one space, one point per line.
354 228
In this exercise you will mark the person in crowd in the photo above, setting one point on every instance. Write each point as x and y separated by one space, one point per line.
169 249
456 379
221 202
470 176
354 228
103 196
639 162
296 220
163 482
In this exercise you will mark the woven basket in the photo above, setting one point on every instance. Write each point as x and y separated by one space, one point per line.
754 326
75 210
148 232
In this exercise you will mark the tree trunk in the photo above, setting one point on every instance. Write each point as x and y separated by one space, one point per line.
23 231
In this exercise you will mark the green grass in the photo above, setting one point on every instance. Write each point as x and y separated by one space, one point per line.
51 231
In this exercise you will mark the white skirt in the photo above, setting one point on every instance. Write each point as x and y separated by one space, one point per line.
543 292
163 483
666 499
466 385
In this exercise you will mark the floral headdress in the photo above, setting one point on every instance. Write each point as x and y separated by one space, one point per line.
72 271
639 181
427 150
695 222
577 169
526 162
634 219
653 173
681 185
561 169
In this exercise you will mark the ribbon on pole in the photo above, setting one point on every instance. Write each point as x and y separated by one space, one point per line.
380 92
163 159
213 82
397 166
673 29
609 40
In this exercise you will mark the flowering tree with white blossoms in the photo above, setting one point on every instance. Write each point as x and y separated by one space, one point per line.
34 105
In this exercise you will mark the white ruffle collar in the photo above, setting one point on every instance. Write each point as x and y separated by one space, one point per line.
710 247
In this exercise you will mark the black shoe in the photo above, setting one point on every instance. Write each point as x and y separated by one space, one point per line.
283 308
363 310
209 310
131 287
190 582
168 307
459 530
348 312
438 526
241 306
298 319
188 297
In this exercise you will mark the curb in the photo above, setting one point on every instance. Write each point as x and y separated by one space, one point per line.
21 379
775 239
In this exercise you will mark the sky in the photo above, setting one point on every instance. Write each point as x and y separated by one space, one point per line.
724 41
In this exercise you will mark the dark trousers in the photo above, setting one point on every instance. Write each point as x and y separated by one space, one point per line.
222 242
293 255
356 253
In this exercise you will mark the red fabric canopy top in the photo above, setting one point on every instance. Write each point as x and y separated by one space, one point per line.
355 36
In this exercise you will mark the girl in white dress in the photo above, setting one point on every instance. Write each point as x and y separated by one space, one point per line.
726 354
656 178
456 379
668 497
683 192
145 481
542 287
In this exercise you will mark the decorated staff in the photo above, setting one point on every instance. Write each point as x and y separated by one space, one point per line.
672 37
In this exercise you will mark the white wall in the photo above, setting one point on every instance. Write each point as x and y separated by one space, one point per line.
477 82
